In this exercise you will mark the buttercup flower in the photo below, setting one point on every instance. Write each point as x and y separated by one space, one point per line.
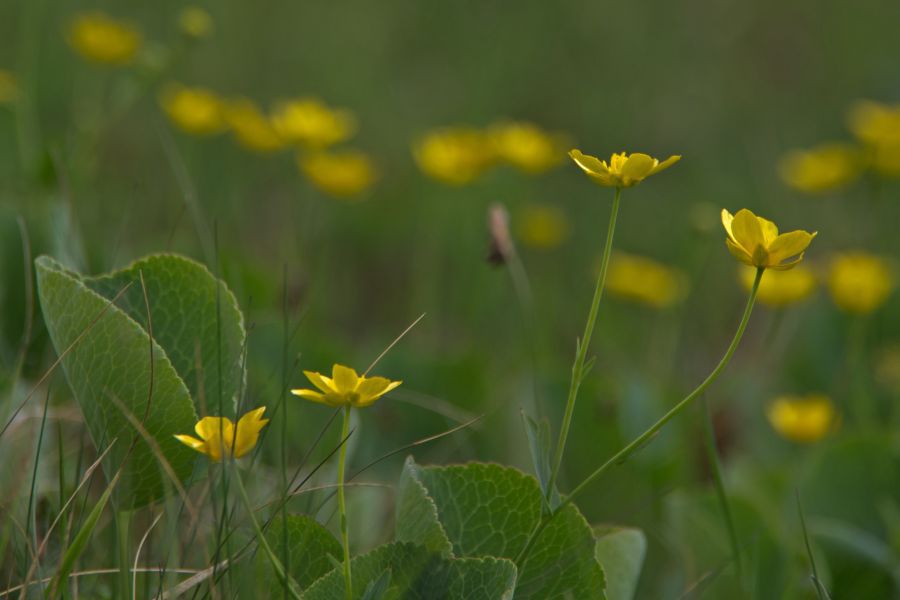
543 226
624 170
252 129
528 147
755 241
339 174
644 280
220 438
9 87
310 122
197 111
456 156
875 123
820 169
802 419
781 288
99 38
346 388
195 22
860 282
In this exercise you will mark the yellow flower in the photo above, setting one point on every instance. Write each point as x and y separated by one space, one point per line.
99 38
252 129
860 282
755 241
346 388
820 169
644 280
9 87
802 419
456 156
543 226
310 122
623 170
527 146
197 111
339 174
220 438
875 123
195 22
781 288
885 159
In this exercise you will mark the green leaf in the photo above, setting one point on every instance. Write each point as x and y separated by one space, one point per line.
309 546
491 510
538 433
108 367
417 517
417 574
620 551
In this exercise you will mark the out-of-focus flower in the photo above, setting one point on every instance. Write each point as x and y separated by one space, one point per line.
252 129
501 244
9 87
195 22
345 388
220 438
781 288
820 169
310 122
623 170
100 38
885 159
528 147
755 241
875 123
195 110
644 280
456 156
339 174
860 282
802 419
542 226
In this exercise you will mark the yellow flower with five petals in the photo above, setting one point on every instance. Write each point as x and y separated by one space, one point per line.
345 388
220 438
755 241
624 170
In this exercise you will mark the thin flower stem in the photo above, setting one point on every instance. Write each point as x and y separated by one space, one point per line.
342 506
583 345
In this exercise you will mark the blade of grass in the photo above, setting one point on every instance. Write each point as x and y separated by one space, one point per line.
821 592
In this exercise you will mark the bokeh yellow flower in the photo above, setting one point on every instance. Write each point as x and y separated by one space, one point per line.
345 388
252 128
339 174
644 280
802 419
542 226
220 438
456 156
528 147
885 159
195 110
624 170
860 282
875 123
755 241
781 288
9 87
310 122
195 22
100 38
820 169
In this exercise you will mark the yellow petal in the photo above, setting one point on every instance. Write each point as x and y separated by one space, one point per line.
788 245
747 231
589 164
784 266
192 442
373 388
636 168
739 253
248 428
344 378
727 219
310 395
665 164
320 381
218 433
769 229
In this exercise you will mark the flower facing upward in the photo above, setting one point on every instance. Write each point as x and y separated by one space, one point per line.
820 169
781 288
339 174
528 147
99 38
197 111
346 388
645 281
860 282
755 241
802 419
194 22
310 122
455 156
220 438
623 170
252 129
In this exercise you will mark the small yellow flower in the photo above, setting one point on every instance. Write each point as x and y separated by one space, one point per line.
99 38
624 170
339 174
220 438
310 122
875 123
644 280
9 87
802 419
860 282
781 288
820 169
456 156
528 147
252 129
885 159
197 110
542 226
346 388
755 241
195 22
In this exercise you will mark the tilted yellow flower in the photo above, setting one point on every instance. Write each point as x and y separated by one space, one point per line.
9 87
220 438
196 110
454 155
310 122
875 123
543 226
195 22
820 169
644 280
252 128
860 282
755 241
624 170
528 147
346 388
802 419
339 174
781 288
100 38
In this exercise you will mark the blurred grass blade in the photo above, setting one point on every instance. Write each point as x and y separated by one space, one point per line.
821 592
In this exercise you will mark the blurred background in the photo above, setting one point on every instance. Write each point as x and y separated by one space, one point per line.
335 163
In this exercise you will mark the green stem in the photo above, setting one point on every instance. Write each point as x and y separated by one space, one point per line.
583 345
342 506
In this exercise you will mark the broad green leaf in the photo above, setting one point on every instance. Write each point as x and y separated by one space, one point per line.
490 510
620 551
308 547
538 433
109 370
417 574
417 516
